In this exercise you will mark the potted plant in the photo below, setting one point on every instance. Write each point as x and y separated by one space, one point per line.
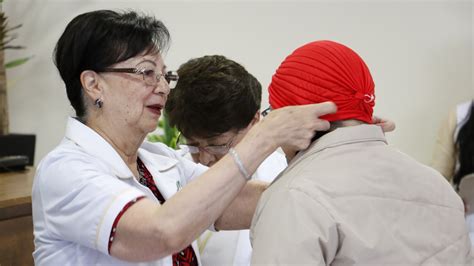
11 144
165 133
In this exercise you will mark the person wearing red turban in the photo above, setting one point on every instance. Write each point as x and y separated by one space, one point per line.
325 71
350 198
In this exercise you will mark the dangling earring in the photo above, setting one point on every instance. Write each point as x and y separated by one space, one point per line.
98 103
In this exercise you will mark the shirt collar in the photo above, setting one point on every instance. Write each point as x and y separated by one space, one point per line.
343 136
95 145
154 154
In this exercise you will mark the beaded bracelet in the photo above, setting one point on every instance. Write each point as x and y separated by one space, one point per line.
239 164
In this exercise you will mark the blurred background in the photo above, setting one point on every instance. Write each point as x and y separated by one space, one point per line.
420 53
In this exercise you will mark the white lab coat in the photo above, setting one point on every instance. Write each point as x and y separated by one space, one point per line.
82 185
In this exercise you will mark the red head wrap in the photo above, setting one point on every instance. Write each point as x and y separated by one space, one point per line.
325 71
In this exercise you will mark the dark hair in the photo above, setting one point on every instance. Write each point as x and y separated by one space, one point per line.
465 147
98 39
214 95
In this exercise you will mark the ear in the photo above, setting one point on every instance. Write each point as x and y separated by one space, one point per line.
90 84
256 118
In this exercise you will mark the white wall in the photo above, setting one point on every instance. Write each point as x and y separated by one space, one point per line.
420 53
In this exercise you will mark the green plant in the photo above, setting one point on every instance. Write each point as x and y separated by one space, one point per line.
7 35
17 62
169 135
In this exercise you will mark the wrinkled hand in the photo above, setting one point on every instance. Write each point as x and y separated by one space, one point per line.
385 124
295 126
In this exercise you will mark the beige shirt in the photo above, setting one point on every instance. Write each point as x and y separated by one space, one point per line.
445 152
350 199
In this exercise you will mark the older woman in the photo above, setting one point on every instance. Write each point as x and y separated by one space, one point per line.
103 196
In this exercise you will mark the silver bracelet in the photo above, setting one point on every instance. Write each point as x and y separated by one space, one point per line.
239 164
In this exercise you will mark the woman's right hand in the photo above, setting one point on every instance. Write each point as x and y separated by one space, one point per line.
295 126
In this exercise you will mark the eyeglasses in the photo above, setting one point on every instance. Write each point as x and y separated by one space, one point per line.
150 77
211 149
266 111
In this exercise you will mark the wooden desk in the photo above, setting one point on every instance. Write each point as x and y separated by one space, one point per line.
16 224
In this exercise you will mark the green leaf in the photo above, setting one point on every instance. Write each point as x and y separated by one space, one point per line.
173 143
17 62
169 136
155 138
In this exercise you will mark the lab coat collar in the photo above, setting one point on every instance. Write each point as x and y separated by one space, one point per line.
162 168
156 154
95 145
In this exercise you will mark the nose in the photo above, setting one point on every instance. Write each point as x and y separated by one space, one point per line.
162 87
206 158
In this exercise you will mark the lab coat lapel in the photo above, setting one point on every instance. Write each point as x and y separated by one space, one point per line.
164 172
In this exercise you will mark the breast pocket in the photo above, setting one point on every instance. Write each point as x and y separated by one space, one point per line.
169 180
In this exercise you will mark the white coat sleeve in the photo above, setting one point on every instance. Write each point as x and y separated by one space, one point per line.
80 200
